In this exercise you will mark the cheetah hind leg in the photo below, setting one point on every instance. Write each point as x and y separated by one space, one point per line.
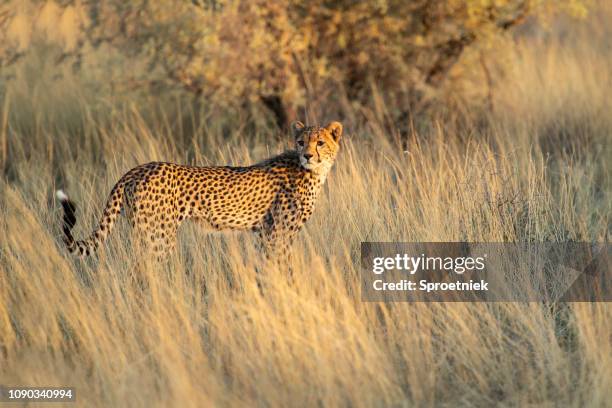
154 241
152 251
162 243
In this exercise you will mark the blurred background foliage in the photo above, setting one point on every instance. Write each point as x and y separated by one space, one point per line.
285 59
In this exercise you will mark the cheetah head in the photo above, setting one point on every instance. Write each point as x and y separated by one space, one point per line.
317 146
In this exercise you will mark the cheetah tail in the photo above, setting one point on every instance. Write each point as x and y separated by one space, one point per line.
89 245
69 219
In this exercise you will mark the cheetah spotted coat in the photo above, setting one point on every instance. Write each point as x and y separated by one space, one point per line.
273 198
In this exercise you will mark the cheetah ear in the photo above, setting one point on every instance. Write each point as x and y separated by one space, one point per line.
335 128
296 128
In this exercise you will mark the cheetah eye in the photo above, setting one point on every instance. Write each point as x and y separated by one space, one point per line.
300 143
320 143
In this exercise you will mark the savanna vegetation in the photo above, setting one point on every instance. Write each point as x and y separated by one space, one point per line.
465 121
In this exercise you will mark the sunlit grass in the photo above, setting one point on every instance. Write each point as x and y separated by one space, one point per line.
199 331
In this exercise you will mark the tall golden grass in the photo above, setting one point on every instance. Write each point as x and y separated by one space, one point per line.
199 331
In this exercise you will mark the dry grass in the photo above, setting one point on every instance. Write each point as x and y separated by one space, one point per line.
199 332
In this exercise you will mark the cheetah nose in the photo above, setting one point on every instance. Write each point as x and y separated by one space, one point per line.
307 156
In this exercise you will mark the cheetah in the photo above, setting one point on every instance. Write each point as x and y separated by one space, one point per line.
273 198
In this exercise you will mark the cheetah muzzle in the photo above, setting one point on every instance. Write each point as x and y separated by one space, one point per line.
273 198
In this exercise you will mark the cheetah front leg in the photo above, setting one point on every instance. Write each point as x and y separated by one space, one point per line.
275 244
278 233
